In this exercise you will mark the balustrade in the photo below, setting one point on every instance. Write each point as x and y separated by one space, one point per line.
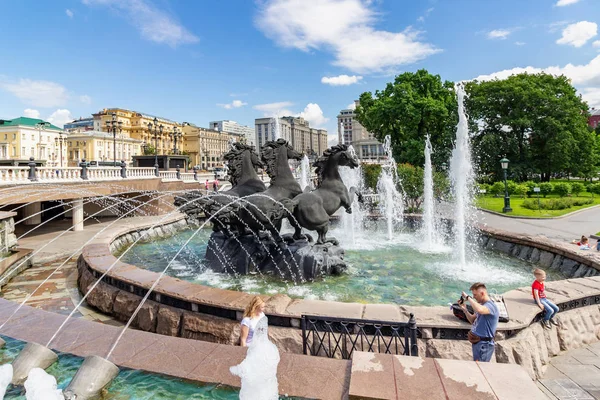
13 174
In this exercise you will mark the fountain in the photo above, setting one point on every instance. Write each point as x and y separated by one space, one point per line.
391 202
305 173
430 228
352 224
461 176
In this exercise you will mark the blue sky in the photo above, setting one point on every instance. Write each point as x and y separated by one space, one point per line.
205 60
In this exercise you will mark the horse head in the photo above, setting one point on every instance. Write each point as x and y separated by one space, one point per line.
275 155
242 162
348 158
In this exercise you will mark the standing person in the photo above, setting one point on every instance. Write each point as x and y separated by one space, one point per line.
206 184
538 291
484 321
253 313
214 186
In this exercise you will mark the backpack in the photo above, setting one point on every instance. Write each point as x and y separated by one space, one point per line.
498 299
459 312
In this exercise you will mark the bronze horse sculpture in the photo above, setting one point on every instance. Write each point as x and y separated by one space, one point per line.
242 162
312 210
263 211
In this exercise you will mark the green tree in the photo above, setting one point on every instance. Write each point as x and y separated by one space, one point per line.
594 188
411 179
497 188
414 105
537 121
149 150
546 188
577 187
521 190
562 189
371 174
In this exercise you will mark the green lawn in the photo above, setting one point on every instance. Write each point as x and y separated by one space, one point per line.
497 203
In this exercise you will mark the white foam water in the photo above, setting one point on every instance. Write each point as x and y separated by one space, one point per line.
391 201
304 173
40 385
6 375
430 228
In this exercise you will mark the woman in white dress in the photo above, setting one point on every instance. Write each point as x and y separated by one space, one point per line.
253 313
258 371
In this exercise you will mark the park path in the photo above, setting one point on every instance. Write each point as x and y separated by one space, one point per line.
585 222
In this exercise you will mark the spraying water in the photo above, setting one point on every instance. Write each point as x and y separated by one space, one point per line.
352 224
304 173
391 202
461 176
275 128
429 229
342 139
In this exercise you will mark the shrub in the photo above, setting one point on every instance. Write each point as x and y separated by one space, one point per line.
577 187
530 185
483 186
371 173
522 190
546 188
512 186
555 204
497 188
562 189
594 188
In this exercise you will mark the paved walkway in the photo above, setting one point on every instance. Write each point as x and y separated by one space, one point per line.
575 375
586 222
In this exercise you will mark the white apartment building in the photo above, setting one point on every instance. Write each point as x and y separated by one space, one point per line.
268 129
22 138
235 128
351 132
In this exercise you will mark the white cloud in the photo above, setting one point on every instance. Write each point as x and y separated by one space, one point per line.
351 106
562 3
233 104
596 44
578 34
60 117
154 24
69 13
85 99
271 109
341 80
592 96
427 12
520 43
313 114
499 34
37 93
353 39
332 140
30 113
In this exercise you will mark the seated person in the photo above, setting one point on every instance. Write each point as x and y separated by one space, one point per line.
585 244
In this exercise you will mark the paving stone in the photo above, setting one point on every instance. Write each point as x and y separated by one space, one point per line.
372 376
566 389
510 382
417 378
585 376
463 380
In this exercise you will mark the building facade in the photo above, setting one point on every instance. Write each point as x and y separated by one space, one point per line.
80 125
594 119
296 130
99 146
206 147
135 125
22 138
243 131
351 132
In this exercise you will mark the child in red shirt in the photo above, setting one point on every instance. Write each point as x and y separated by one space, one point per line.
539 296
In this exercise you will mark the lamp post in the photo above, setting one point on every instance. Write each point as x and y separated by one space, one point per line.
504 163
113 125
155 129
174 135
61 138
40 126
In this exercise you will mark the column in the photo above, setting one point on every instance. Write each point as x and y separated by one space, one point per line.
32 213
78 215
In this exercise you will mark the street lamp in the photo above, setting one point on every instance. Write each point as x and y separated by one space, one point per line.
40 126
504 163
157 129
113 125
61 138
174 135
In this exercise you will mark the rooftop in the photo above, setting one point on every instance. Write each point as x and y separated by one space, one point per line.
24 121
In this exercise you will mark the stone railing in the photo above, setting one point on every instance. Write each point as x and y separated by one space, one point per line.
141 172
10 175
104 173
168 175
187 176
57 173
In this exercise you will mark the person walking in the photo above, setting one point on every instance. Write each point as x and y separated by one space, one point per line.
484 320
538 291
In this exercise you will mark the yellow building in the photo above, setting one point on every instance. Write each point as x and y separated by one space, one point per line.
99 147
134 125
206 146
22 138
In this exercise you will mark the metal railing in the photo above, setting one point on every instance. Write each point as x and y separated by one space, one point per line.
340 337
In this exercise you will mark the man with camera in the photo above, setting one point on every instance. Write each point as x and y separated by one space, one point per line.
484 321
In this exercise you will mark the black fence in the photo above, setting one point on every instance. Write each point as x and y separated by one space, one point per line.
339 337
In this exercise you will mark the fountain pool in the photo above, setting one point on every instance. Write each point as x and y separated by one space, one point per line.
129 384
381 271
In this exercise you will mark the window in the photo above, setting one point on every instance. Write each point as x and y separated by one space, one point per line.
5 136
14 136
14 151
23 152
32 152
71 154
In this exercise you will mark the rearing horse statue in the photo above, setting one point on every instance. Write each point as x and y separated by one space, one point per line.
264 211
313 209
242 162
